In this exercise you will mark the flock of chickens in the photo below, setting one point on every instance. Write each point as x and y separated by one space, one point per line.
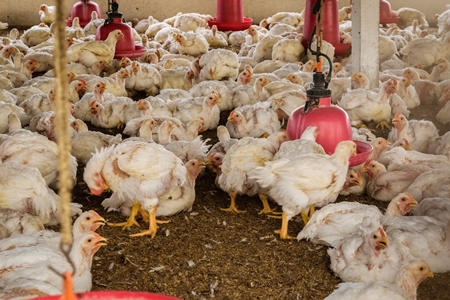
165 99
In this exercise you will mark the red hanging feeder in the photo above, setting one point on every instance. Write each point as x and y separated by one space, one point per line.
230 16
83 10
125 47
332 121
330 25
387 16
114 295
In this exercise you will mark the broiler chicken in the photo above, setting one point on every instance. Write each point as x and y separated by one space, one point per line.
37 151
254 120
244 156
187 110
47 14
421 134
219 64
334 222
89 52
249 94
136 177
368 105
190 43
24 189
143 78
84 144
32 262
299 184
411 274
383 185
421 237
16 222
361 257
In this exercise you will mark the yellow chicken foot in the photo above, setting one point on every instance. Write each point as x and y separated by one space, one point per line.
383 124
131 219
283 232
233 207
152 225
120 125
305 214
265 135
312 209
266 207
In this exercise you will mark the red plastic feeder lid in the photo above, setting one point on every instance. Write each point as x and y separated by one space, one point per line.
363 151
136 53
233 26
113 295
342 49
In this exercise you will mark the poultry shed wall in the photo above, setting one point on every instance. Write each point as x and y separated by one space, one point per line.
24 13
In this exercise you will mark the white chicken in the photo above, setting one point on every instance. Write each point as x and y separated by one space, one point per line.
85 144
16 222
36 35
187 110
368 105
47 14
37 151
249 94
433 183
362 257
89 52
24 189
421 237
32 262
190 43
143 78
136 177
411 274
299 184
435 207
422 135
219 64
244 156
254 120
408 93
335 221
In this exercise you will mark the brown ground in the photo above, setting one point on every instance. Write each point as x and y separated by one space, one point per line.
209 253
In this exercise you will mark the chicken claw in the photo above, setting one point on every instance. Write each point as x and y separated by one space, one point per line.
131 219
266 207
383 124
283 232
233 204
153 225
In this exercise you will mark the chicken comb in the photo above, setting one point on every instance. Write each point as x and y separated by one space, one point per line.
92 103
397 115
82 80
382 232
368 161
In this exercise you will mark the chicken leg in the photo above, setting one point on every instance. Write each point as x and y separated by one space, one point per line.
283 232
307 213
152 225
233 207
131 219
266 207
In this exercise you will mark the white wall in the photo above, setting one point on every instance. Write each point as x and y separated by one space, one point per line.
24 13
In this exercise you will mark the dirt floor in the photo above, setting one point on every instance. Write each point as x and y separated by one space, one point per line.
209 253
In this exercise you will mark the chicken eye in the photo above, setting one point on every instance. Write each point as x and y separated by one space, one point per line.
421 268
351 176
89 240
374 236
403 199
88 218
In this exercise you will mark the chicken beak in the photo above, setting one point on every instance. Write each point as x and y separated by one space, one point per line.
202 164
101 241
430 274
413 203
383 243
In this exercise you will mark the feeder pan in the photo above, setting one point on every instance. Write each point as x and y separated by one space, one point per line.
83 10
330 25
125 46
387 16
114 295
363 151
230 16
